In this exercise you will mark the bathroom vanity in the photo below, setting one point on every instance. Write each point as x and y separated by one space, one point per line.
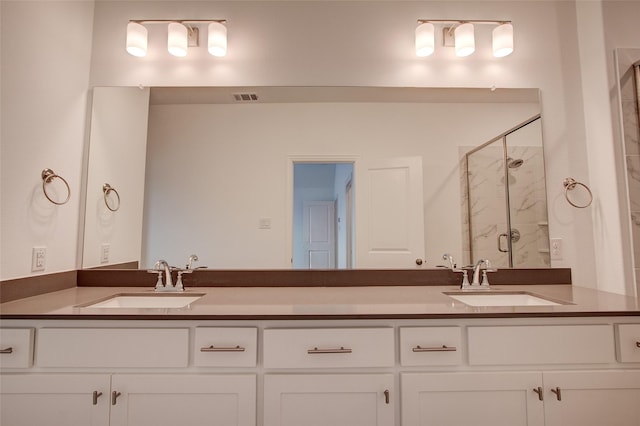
316 356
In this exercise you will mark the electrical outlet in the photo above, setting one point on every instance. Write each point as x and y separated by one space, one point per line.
556 249
38 259
104 253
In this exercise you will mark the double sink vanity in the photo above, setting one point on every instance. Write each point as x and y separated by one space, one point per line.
401 353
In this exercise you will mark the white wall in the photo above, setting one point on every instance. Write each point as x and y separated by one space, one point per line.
214 170
46 48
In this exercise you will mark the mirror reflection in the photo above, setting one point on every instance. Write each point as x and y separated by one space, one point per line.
212 171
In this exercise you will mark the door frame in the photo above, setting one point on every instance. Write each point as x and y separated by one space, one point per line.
308 159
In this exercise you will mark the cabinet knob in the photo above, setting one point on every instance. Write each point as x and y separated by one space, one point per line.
558 393
387 396
96 395
114 397
418 261
637 345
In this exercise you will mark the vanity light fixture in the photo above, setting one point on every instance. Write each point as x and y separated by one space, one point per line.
180 35
463 32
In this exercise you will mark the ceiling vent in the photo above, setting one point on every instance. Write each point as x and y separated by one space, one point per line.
245 97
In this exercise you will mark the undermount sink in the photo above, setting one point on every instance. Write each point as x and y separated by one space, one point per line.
150 300
501 299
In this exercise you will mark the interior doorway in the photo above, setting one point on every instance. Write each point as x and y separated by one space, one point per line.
323 221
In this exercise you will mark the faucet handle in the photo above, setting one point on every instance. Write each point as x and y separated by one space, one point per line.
159 284
465 285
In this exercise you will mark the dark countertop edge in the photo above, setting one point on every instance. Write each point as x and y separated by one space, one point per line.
129 317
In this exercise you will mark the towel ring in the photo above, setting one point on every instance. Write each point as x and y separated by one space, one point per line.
48 176
569 185
107 189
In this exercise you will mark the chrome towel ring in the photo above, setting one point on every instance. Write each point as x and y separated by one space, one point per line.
569 185
108 189
48 176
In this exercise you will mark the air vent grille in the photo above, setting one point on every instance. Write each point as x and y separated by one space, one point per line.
245 97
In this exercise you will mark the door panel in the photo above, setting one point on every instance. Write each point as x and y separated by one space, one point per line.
389 213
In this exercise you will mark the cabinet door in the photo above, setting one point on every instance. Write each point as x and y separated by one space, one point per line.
185 400
328 399
54 399
462 399
592 398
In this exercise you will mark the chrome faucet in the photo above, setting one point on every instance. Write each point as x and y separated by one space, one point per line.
192 258
449 258
484 285
160 267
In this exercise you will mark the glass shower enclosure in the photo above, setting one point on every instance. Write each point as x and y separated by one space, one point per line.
506 199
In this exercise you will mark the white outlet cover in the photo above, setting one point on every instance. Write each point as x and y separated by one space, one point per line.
38 259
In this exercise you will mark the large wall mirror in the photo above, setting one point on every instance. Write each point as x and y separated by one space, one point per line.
239 176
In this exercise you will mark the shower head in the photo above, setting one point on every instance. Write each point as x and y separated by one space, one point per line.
514 164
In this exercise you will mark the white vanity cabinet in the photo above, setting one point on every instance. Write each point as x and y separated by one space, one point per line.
183 399
145 379
54 399
329 399
592 398
462 399
16 347
389 372
329 396
538 390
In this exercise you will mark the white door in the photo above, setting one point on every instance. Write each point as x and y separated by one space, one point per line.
319 234
389 213
185 400
479 399
54 399
592 398
328 400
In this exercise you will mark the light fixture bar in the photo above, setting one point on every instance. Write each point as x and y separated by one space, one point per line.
180 36
462 21
461 34
180 21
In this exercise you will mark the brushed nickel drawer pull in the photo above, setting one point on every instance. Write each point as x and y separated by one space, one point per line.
538 390
443 348
9 350
558 393
96 395
114 397
222 349
387 396
341 350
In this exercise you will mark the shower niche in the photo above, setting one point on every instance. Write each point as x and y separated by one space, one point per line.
506 206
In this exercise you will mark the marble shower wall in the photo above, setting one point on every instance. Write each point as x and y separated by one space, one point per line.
488 206
629 95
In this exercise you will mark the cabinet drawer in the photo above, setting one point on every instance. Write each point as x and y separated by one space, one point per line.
517 345
328 347
430 346
16 347
112 347
629 342
225 347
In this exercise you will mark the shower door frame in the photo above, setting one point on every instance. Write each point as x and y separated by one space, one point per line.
503 137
